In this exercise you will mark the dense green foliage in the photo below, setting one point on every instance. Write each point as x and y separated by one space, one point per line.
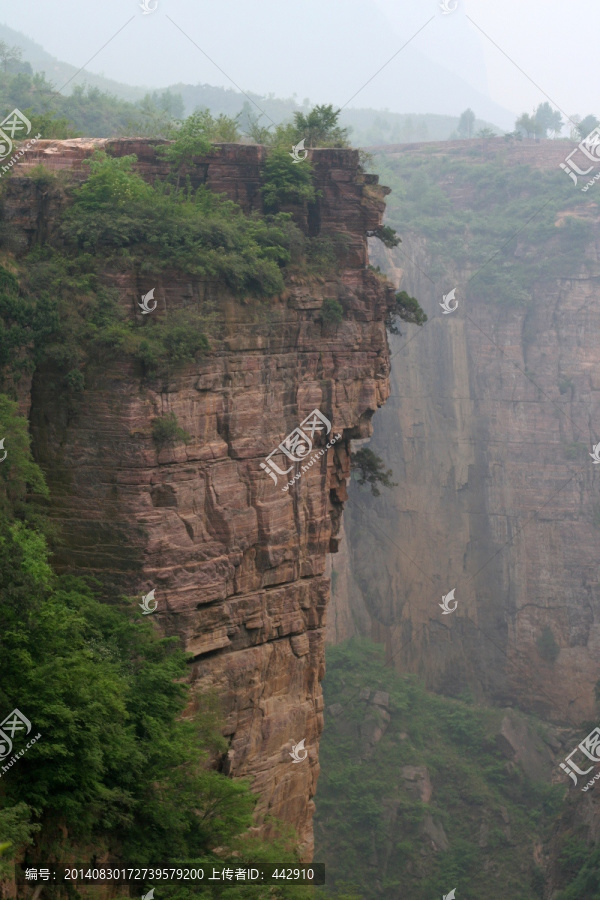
122 762
286 181
371 825
194 136
580 867
489 219
320 127
117 213
19 475
85 110
56 306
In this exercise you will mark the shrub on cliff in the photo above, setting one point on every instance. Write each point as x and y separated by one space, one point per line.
369 469
117 214
193 137
332 312
286 181
166 430
547 646
20 476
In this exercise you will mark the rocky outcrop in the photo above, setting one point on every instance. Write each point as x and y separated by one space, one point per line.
491 419
238 565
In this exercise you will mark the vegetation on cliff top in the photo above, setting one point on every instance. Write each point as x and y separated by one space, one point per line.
470 212
56 305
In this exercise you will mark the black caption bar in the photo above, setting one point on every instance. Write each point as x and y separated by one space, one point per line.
217 873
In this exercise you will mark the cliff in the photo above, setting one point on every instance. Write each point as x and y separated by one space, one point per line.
237 563
492 416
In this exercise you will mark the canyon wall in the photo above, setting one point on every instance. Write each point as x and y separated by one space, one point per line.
238 564
493 412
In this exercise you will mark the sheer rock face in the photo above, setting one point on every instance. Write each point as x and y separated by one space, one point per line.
491 419
237 563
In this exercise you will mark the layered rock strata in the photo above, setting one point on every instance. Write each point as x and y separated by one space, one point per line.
237 563
491 420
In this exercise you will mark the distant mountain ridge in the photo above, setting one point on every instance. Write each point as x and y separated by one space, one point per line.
369 126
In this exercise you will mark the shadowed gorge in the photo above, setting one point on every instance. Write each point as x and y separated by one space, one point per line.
488 431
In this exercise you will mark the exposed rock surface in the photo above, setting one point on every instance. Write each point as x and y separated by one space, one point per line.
497 495
239 566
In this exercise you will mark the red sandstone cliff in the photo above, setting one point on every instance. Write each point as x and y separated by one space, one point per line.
238 565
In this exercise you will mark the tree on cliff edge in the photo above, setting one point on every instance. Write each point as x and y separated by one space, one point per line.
320 128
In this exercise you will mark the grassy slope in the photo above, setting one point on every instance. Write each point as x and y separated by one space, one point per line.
370 820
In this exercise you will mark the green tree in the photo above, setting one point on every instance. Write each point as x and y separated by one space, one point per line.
112 182
260 134
191 140
155 117
529 125
9 55
332 312
408 309
19 475
320 128
587 125
286 181
386 235
548 119
369 469
166 430
51 125
486 133
466 124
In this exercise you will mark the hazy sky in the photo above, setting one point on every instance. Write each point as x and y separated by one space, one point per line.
327 49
